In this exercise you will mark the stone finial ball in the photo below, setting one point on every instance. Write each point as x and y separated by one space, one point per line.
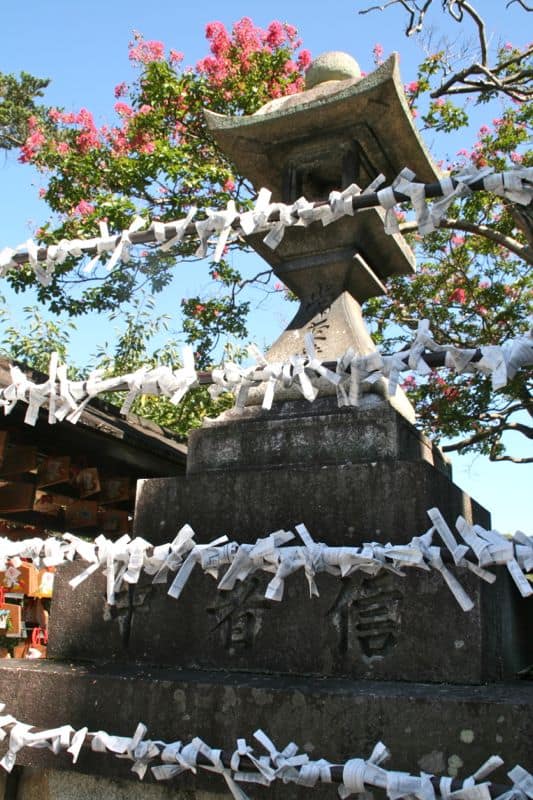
333 66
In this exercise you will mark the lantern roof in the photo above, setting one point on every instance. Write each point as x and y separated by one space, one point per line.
368 114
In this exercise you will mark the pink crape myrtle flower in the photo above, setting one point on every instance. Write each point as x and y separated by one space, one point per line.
304 59
291 31
247 36
34 141
377 50
175 57
146 51
458 296
275 35
409 382
120 89
83 208
123 109
217 34
147 148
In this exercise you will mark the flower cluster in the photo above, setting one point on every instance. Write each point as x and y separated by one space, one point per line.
249 51
34 141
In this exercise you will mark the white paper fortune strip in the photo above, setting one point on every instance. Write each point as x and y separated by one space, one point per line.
219 225
168 759
67 399
124 560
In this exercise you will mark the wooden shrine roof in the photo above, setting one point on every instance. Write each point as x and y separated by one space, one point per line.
83 476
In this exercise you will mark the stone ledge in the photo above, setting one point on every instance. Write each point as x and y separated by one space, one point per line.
359 628
305 435
334 719
340 504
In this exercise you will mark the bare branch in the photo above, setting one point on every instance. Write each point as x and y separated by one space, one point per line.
479 86
511 85
494 432
520 3
412 9
261 277
514 459
521 250
473 14
456 83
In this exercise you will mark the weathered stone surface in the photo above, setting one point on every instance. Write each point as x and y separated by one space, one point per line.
333 114
305 434
334 719
324 258
325 139
77 627
341 505
52 784
383 628
331 66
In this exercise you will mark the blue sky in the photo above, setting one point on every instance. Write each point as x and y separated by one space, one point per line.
82 47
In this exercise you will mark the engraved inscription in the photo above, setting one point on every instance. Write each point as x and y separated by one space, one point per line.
238 615
367 615
318 303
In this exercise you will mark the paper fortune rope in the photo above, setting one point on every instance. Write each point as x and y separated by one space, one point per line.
221 225
124 560
67 399
242 765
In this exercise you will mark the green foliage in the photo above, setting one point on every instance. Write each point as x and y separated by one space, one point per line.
17 104
33 342
131 351
158 159
473 289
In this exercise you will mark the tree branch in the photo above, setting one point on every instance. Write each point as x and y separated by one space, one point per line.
520 3
509 62
457 9
521 250
514 459
471 11
520 95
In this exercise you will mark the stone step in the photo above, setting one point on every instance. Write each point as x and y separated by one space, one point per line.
375 628
439 729
344 504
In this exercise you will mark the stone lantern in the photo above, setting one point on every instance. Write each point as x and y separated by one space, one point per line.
377 655
343 129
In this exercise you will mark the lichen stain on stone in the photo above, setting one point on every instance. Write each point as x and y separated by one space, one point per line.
180 700
433 762
230 698
298 700
261 698
467 736
455 763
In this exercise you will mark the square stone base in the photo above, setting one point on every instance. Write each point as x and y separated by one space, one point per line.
440 729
